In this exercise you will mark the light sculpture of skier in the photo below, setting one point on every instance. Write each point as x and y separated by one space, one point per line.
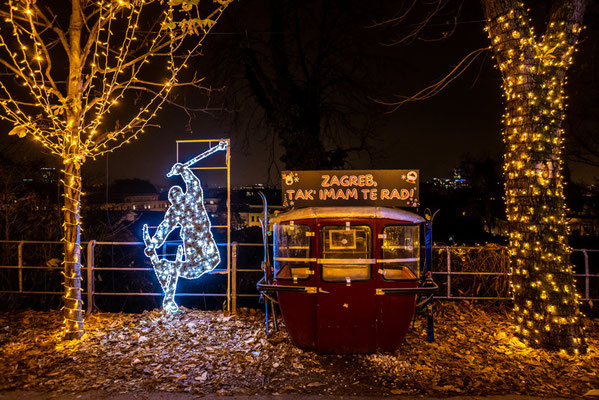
199 253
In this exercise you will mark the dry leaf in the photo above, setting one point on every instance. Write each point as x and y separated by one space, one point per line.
202 352
20 131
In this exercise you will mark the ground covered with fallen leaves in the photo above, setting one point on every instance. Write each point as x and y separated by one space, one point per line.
205 352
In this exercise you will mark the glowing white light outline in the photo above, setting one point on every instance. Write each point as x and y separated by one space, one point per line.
168 272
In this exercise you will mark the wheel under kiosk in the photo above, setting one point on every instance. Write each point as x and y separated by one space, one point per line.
347 278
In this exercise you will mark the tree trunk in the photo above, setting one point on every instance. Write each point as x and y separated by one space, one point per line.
72 158
73 313
534 75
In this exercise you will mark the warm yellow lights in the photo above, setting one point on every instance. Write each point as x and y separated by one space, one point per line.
533 73
71 117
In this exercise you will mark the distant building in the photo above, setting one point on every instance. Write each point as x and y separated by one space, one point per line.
49 175
584 219
211 204
454 182
252 214
584 226
246 205
42 175
139 202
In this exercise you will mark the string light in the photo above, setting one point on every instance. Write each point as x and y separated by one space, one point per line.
199 253
69 116
534 76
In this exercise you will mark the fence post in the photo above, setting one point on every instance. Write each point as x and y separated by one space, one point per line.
505 256
586 274
448 272
234 277
20 255
90 276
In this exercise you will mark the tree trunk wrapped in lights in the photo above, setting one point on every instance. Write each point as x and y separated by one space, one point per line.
73 315
534 75
62 82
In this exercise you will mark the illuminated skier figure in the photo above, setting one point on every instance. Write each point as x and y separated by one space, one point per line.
199 253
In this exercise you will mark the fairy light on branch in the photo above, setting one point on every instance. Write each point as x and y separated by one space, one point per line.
71 117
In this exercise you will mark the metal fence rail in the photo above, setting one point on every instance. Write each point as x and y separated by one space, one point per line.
586 276
455 268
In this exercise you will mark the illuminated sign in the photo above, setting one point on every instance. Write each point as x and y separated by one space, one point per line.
385 188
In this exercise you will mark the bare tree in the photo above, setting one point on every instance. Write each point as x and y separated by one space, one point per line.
73 71
534 75
299 76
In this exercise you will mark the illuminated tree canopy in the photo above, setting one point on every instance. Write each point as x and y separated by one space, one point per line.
74 71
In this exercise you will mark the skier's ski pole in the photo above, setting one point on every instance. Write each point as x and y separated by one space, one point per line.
220 146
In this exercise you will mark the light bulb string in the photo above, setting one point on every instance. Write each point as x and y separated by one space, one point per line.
154 104
38 91
534 75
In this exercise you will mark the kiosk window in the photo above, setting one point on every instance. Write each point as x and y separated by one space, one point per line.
292 251
351 243
401 252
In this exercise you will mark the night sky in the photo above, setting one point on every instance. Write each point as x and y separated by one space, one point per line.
431 135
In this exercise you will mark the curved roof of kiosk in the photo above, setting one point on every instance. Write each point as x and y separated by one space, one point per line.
348 212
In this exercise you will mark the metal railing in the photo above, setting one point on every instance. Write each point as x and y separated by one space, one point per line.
450 273
450 265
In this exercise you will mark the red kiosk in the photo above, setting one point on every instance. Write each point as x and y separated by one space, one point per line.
347 276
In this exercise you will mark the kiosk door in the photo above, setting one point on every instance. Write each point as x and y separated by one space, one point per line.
345 317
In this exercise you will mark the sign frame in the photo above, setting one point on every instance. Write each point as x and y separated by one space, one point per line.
381 188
